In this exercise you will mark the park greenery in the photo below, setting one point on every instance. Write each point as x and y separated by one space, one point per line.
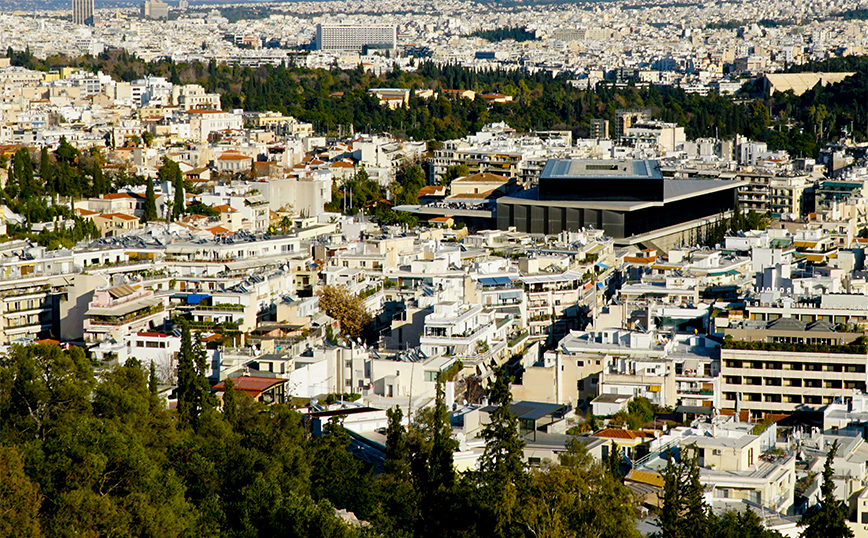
333 99
507 32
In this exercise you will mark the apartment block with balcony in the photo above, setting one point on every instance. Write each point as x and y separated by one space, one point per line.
554 301
468 331
28 313
116 311
787 196
735 464
783 369
755 193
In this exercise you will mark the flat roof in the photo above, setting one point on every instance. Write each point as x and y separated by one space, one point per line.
595 168
673 190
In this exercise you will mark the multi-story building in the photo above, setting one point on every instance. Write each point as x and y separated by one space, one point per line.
122 310
553 302
787 196
790 365
356 37
155 9
82 12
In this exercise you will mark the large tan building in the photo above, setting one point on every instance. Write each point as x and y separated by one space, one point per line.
780 370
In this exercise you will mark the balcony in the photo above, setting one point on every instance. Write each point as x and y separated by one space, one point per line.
127 318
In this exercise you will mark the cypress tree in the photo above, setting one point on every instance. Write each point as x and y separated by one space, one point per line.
150 211
396 444
187 401
152 379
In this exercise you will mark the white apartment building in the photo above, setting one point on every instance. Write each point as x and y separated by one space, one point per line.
356 37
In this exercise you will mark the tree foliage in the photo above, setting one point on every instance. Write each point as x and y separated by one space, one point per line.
828 517
339 303
684 513
149 213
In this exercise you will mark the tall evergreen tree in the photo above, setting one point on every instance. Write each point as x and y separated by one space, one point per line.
684 513
396 444
501 466
152 378
187 393
150 210
46 170
828 518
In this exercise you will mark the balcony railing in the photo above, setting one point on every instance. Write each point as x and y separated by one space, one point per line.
128 318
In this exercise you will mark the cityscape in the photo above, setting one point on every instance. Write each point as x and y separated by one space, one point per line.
434 269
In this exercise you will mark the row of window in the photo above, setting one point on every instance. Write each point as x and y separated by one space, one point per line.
794 382
795 366
152 345
781 398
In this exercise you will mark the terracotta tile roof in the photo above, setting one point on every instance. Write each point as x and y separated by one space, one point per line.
482 177
224 208
120 195
122 216
234 157
433 190
613 433
253 385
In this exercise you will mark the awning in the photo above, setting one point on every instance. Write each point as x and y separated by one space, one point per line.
602 266
196 298
495 281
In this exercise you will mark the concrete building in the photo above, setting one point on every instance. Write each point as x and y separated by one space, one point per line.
82 12
155 9
789 368
356 37
630 200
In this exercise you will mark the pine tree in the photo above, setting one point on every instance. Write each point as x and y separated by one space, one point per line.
828 518
150 211
684 513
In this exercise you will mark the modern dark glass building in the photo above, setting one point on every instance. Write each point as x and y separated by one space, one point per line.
624 198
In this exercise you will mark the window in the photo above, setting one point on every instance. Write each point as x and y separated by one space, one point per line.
348 363
580 363
152 345
581 384
348 382
140 344
431 376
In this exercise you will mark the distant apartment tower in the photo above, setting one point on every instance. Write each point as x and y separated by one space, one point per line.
155 9
353 37
599 129
82 12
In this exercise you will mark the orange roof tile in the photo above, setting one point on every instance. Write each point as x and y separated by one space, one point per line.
612 433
